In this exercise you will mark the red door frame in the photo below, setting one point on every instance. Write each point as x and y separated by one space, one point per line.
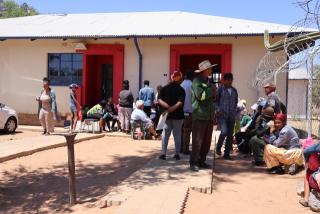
117 51
225 50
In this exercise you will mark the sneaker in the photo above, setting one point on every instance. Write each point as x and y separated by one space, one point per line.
227 157
293 169
204 166
277 170
218 152
177 157
314 209
44 132
194 168
162 157
258 163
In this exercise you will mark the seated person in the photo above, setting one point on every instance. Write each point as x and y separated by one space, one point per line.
283 147
257 135
312 178
139 115
110 114
241 139
97 112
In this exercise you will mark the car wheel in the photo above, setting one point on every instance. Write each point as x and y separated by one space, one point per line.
11 125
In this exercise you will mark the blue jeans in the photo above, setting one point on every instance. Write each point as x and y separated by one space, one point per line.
175 127
226 126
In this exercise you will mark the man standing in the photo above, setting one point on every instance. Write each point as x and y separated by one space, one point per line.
147 95
187 108
226 113
171 99
272 98
203 96
125 107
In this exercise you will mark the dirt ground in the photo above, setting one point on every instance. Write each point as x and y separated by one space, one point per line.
39 183
241 188
17 136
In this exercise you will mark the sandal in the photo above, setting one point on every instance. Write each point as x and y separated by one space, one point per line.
303 202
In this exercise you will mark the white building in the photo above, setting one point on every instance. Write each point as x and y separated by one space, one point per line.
99 51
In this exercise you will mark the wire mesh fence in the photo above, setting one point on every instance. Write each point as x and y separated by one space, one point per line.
298 101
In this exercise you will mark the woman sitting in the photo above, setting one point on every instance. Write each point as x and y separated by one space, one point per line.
97 112
139 115
111 115
283 147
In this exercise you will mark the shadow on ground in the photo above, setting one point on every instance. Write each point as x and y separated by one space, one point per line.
45 190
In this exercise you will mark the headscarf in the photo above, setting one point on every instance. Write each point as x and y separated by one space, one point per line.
281 117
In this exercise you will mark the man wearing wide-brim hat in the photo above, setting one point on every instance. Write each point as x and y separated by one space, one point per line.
202 116
273 99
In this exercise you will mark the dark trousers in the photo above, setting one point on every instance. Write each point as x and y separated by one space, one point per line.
147 110
243 142
226 126
201 140
186 132
257 147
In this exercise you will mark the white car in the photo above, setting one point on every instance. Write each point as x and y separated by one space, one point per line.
8 119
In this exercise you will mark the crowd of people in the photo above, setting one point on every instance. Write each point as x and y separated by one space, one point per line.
192 105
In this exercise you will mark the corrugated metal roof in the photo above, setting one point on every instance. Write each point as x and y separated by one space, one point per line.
140 24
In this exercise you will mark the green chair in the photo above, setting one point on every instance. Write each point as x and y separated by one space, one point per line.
134 126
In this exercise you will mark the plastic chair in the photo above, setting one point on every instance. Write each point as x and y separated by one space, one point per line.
134 126
89 122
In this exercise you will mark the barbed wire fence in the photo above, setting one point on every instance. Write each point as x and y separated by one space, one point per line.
299 51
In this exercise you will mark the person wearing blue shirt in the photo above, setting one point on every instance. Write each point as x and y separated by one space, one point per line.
147 95
187 108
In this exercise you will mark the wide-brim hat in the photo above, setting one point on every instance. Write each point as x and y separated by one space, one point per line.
204 65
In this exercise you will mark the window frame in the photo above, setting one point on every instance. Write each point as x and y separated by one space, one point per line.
59 82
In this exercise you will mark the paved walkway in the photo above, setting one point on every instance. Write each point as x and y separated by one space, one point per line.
159 187
27 146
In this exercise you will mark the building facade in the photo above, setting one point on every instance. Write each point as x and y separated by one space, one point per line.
100 65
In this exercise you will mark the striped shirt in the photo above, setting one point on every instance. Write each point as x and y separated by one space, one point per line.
227 101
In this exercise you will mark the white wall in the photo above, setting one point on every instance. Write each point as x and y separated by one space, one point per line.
23 64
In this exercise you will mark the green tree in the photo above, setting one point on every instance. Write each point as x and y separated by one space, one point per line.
12 9
316 86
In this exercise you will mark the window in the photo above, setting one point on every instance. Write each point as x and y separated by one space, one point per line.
65 68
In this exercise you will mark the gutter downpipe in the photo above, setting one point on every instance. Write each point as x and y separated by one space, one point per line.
140 61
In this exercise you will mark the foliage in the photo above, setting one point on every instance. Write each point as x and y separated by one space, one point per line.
316 86
12 9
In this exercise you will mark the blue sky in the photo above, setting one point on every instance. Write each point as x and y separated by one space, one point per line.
277 11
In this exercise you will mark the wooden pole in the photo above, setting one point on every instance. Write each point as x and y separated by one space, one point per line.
71 165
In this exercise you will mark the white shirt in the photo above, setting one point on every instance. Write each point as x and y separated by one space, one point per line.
139 115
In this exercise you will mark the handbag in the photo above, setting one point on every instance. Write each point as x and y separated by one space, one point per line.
162 121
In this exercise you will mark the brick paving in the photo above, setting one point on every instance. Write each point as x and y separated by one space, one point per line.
158 187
